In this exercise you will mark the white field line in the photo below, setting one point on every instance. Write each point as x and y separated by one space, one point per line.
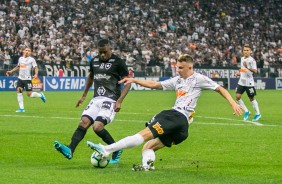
244 123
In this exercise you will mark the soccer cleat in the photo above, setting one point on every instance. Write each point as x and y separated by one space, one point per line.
116 157
256 117
43 98
20 110
150 167
98 147
246 115
66 151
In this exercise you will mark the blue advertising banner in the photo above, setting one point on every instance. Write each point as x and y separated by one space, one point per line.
10 83
260 83
64 83
279 83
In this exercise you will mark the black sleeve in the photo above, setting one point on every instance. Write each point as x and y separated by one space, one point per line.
123 70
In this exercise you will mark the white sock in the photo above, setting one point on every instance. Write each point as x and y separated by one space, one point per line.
20 100
241 103
35 95
147 155
127 142
255 106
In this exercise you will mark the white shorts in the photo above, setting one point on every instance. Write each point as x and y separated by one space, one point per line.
100 106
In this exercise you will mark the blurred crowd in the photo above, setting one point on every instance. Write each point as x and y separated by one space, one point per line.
145 33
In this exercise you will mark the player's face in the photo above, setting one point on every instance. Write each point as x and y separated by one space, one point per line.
105 52
246 51
184 69
26 52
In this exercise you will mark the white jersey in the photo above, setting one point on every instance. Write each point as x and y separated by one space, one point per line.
246 76
188 91
26 64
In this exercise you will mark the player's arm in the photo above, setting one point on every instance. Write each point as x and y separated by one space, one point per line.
124 92
89 82
35 72
250 69
9 72
236 108
145 83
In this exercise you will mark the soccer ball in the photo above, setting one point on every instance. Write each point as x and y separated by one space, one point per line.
97 160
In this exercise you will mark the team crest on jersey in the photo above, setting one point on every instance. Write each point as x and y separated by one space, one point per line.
102 66
108 66
178 81
101 90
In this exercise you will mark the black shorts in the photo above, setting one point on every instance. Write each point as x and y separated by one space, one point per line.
170 126
25 84
251 91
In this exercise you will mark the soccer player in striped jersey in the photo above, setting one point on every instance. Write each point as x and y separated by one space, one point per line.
25 64
169 127
247 83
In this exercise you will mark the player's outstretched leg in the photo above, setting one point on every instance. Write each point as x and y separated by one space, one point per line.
116 157
98 147
43 98
65 150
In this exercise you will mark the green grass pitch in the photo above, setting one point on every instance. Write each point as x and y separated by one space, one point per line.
221 148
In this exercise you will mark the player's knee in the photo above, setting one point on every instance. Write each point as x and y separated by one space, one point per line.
85 122
28 93
19 90
98 126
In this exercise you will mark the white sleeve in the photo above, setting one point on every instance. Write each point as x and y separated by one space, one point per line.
206 83
34 64
169 84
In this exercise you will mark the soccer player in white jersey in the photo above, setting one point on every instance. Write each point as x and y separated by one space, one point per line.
169 126
247 83
25 64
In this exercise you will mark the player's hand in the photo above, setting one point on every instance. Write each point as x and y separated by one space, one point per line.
8 73
80 101
237 109
245 64
35 76
126 81
117 106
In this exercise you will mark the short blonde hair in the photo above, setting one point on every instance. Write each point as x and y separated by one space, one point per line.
185 58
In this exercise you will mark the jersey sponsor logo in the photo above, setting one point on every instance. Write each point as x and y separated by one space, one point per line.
158 128
180 93
22 66
101 90
102 76
243 70
106 105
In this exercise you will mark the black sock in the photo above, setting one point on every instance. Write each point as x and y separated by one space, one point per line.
107 138
77 136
